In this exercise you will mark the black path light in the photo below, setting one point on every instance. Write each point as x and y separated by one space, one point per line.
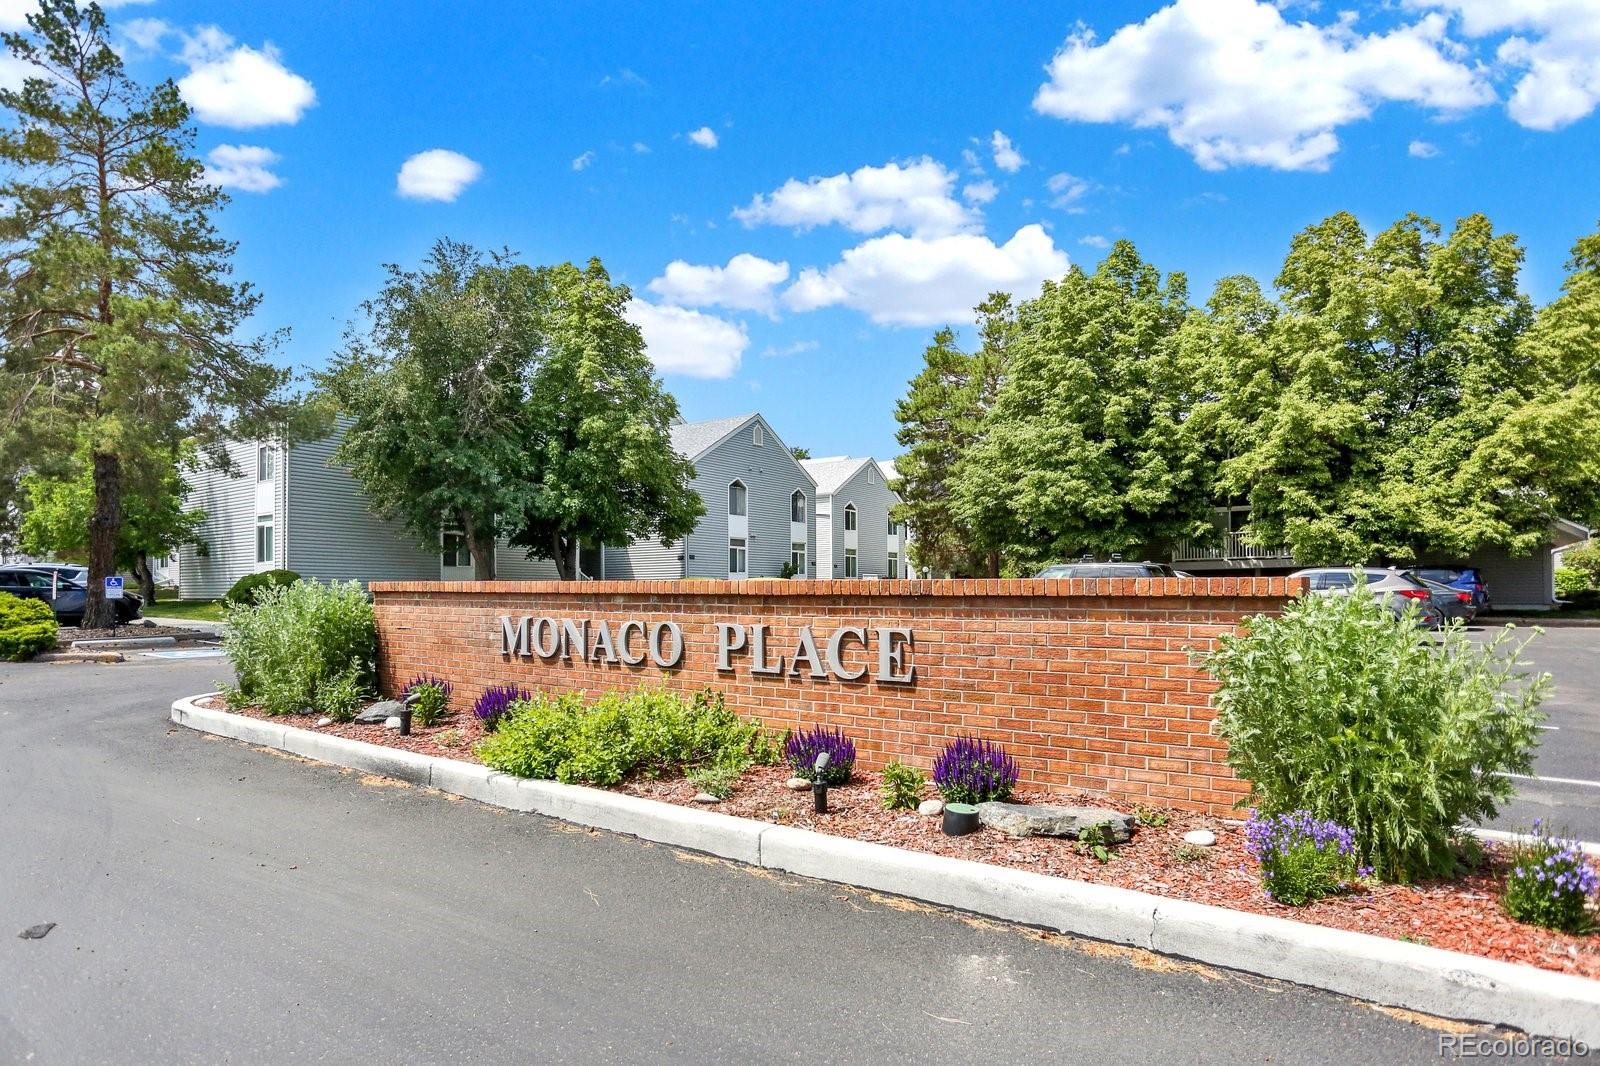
819 786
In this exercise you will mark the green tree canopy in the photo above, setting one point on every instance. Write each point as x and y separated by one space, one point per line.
119 320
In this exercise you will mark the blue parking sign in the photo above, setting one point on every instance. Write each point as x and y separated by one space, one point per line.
113 588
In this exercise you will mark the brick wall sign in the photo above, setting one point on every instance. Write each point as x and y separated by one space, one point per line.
1090 684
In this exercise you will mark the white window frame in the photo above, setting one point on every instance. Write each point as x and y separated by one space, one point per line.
894 565
266 464
872 473
797 556
744 499
463 551
797 506
738 549
266 524
849 516
851 568
758 436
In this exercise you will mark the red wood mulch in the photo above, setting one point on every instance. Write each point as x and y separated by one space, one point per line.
1461 915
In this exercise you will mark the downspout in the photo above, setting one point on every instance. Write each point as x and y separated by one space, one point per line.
283 472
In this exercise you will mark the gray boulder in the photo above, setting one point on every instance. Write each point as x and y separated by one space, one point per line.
380 712
1047 820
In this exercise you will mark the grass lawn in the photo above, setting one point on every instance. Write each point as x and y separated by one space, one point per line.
194 610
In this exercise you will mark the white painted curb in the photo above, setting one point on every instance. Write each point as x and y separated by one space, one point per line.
1391 972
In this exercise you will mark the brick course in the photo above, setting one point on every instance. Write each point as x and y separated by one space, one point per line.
1089 683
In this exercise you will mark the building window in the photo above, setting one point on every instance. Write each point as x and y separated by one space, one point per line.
738 560
453 548
872 473
266 463
894 527
894 566
264 552
736 498
849 562
797 557
758 436
797 507
850 516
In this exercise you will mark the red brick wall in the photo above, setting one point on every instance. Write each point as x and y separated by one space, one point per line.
1089 684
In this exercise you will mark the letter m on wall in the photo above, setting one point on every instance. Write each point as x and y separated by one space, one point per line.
513 635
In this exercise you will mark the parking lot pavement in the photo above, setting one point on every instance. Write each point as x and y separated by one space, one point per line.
1564 789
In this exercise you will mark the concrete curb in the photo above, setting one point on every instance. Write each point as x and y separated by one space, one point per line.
111 643
79 657
1390 972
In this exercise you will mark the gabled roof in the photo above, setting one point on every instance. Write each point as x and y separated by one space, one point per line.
693 439
831 474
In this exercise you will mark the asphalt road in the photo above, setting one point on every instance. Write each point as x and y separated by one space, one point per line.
214 902
1565 786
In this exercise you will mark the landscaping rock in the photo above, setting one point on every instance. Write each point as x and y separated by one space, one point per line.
1203 838
930 807
324 721
1047 820
799 784
706 797
379 713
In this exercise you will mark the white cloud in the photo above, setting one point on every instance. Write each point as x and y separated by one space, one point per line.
912 281
1234 84
437 174
1065 192
772 351
1094 240
1006 156
745 284
705 137
145 34
242 166
916 196
234 85
692 343
14 13
1422 150
582 162
640 148
1553 44
980 192
969 159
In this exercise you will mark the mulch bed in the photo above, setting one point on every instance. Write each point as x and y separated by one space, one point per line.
1461 915
67 634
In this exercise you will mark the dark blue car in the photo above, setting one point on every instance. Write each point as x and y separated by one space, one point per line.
1462 578
66 598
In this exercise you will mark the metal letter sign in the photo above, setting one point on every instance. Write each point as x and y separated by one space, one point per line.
113 588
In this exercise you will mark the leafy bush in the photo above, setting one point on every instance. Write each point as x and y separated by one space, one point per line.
1585 560
1550 883
303 646
248 589
648 731
342 697
1302 858
27 627
1339 709
1572 582
716 781
430 699
902 786
802 748
495 703
974 771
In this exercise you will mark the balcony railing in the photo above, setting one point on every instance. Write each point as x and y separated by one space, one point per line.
1233 547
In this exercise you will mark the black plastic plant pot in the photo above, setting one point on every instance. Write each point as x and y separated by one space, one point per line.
960 819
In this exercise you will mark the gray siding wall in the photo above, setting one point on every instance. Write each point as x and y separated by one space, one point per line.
873 500
1516 581
770 475
229 529
331 532
644 560
513 564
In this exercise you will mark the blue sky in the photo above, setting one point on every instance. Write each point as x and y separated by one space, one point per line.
848 156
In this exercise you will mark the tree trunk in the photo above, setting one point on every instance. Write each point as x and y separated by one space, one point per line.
565 558
994 564
482 549
146 573
104 525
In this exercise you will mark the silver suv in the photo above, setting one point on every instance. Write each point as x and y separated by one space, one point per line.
1396 589
1113 569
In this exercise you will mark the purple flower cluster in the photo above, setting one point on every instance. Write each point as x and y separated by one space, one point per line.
495 702
1267 839
428 679
802 748
970 770
1563 866
1302 857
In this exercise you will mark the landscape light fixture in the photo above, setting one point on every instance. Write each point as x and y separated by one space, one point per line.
819 786
405 720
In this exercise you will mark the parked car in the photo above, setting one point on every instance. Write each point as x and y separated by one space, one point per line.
66 598
1464 578
1399 589
1088 568
1454 604
73 572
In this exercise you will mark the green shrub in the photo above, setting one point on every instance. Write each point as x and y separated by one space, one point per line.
647 731
341 697
1551 883
1339 709
902 786
430 699
1585 560
1572 582
27 627
716 781
304 646
248 589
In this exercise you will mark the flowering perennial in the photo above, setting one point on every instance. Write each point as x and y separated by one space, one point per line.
1302 857
429 697
802 748
970 770
1551 883
495 702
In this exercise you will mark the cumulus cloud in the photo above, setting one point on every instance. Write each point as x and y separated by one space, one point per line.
231 84
705 137
437 174
1006 156
745 284
1422 150
244 167
916 196
582 162
915 281
1234 84
692 343
1065 192
1094 240
145 34
980 192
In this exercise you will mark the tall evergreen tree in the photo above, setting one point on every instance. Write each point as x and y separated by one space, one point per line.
118 317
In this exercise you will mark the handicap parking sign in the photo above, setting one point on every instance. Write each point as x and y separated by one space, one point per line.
113 588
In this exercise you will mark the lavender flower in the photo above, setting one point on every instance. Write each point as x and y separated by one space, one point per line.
1302 857
802 748
1551 882
495 702
970 770
428 679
